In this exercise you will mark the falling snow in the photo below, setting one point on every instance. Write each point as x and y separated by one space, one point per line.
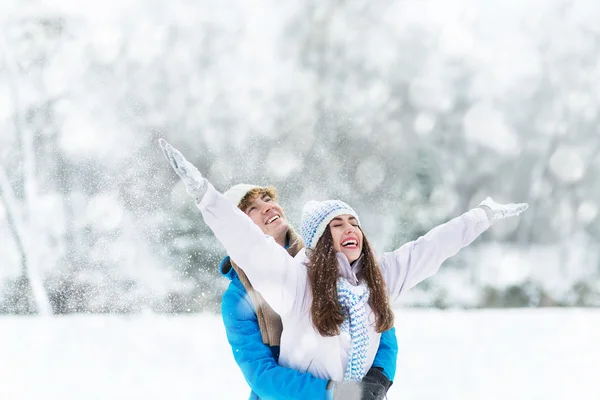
412 112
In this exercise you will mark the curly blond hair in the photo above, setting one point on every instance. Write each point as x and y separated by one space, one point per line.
256 192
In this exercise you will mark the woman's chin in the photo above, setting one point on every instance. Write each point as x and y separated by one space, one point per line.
351 255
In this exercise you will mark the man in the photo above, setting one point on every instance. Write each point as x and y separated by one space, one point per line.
254 329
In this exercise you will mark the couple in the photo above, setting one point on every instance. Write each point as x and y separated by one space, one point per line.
333 296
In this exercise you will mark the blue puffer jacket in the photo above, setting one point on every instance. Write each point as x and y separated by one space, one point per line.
258 361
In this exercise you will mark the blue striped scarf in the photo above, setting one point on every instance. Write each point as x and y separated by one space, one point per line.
353 300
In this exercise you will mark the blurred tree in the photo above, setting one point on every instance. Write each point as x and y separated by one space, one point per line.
23 220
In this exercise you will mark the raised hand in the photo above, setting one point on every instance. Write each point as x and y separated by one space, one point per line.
497 211
194 182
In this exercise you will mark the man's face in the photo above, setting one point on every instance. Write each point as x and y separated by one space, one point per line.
347 236
268 215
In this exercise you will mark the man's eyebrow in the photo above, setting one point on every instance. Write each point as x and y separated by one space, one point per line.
251 202
265 195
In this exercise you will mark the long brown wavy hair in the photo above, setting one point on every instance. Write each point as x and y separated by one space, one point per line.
326 311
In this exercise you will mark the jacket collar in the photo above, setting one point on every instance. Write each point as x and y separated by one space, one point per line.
226 269
350 271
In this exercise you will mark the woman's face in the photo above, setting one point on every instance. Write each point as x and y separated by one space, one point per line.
347 236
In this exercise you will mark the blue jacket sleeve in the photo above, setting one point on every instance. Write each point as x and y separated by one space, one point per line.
259 367
387 354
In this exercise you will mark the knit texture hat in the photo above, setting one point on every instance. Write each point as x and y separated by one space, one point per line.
236 193
316 215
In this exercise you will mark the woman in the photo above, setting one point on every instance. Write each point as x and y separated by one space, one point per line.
333 297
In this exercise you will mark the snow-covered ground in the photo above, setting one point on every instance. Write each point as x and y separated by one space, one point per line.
493 354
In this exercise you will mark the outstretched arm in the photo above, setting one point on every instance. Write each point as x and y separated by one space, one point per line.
272 271
420 259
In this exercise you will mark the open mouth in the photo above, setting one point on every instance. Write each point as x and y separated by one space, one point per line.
272 219
350 243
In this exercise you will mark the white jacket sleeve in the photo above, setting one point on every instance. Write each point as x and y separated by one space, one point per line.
418 260
279 278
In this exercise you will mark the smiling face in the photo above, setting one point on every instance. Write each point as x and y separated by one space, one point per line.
347 236
268 215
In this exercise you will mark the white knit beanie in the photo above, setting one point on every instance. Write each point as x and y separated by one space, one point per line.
236 193
316 215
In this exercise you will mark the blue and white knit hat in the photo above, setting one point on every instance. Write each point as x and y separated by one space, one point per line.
316 215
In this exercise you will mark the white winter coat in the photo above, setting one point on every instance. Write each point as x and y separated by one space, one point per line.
283 281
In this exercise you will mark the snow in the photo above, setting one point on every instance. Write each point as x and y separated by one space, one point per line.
6 106
517 354
424 123
123 71
551 265
430 93
485 125
586 213
281 162
567 164
370 173
88 135
104 211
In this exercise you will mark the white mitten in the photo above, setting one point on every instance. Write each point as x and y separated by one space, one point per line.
194 182
497 211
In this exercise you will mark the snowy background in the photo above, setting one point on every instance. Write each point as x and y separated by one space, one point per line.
411 111
456 355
